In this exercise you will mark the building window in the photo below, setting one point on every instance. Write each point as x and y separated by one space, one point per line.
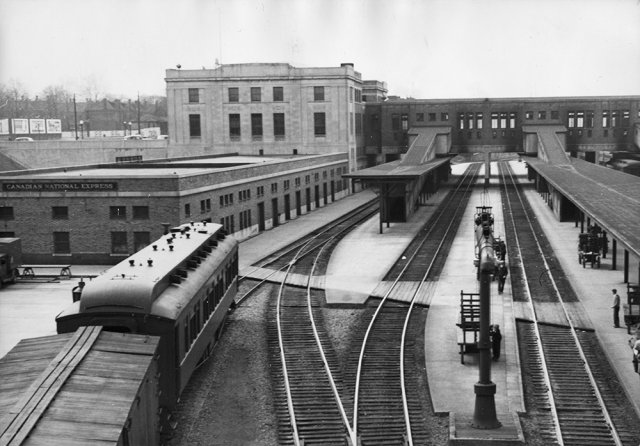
307 179
503 121
404 118
234 95
494 120
256 125
274 188
580 119
297 181
615 118
187 210
419 117
194 126
256 94
605 119
319 127
571 119
278 94
528 115
234 126
119 243
60 213
316 176
555 114
318 93
625 118
6 213
260 191
278 125
205 206
479 121
395 122
194 95
590 119
61 243
542 115
141 212
444 116
512 120
117 212
140 240
286 184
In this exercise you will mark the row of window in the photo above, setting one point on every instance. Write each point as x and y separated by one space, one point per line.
277 94
609 118
507 120
319 126
204 308
62 212
119 242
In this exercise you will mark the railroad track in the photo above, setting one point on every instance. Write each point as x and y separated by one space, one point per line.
570 387
386 407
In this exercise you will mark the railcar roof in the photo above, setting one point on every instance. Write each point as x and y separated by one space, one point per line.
138 280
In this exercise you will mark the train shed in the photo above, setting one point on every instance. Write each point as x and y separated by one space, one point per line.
89 387
581 190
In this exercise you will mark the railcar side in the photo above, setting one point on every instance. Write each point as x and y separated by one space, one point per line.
179 288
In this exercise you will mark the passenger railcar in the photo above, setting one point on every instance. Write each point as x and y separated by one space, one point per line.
179 288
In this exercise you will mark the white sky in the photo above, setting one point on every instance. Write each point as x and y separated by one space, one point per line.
421 48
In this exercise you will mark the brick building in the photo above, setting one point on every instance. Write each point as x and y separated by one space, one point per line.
101 214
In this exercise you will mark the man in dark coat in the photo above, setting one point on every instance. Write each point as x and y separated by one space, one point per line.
496 339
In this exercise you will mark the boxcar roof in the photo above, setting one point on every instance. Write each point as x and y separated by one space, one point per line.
98 376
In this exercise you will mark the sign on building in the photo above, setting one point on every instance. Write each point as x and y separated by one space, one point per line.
54 126
20 126
37 125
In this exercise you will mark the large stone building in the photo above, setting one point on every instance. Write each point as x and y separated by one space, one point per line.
270 109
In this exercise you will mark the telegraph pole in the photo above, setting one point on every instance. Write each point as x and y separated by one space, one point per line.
139 133
75 117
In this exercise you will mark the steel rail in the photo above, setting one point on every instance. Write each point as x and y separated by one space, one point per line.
580 350
380 306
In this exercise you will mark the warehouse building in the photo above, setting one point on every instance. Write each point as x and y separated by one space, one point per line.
101 214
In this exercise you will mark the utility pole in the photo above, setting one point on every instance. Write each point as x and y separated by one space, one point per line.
139 114
75 116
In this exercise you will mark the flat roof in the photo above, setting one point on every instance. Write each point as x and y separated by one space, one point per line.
177 168
609 197
396 171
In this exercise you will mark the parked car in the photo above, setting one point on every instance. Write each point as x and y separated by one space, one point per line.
24 138
130 137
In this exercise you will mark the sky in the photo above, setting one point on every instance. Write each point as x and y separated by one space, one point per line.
423 49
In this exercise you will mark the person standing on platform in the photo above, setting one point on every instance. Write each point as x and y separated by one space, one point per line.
616 308
496 339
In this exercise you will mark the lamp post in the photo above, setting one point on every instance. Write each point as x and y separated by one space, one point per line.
75 117
82 129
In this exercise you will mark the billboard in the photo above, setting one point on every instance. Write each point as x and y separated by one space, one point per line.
37 125
20 126
54 126
4 126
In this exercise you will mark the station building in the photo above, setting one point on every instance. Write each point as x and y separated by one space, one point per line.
101 214
270 109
